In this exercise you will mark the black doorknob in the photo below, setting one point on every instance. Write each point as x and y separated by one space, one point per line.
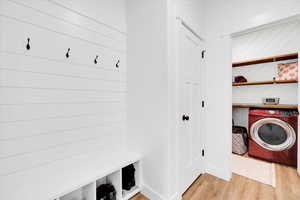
185 118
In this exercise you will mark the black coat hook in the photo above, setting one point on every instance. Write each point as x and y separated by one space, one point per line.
96 60
118 64
28 45
68 53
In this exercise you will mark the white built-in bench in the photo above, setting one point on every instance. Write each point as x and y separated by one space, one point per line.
72 179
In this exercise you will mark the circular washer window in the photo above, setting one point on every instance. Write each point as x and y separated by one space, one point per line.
273 134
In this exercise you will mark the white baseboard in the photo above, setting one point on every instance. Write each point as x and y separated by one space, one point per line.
219 172
153 195
175 197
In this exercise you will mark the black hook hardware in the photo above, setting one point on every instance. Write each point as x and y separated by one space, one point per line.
118 64
68 53
96 60
28 45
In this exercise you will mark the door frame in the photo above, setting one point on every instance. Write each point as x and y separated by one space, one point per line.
181 24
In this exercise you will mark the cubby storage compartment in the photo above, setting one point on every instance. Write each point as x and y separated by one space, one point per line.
104 172
115 180
127 194
85 193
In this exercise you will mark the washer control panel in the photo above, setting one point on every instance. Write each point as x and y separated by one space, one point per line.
288 112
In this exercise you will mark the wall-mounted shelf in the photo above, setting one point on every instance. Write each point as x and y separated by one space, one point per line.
266 60
265 82
279 106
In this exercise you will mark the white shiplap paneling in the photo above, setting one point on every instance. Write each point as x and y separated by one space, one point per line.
53 108
276 40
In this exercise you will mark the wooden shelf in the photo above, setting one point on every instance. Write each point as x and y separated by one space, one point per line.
265 82
279 106
266 60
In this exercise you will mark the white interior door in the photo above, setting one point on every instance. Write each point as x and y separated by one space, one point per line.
190 97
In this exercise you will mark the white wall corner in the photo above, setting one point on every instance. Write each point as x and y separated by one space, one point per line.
219 172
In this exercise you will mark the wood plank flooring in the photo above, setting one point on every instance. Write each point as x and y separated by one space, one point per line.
208 187
139 196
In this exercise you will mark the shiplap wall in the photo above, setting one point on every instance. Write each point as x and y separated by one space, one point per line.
276 40
51 107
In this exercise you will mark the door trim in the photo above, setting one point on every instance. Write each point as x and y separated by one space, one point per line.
189 28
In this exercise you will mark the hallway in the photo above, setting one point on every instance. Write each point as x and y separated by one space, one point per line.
135 99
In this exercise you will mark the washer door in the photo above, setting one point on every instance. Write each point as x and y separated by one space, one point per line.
273 134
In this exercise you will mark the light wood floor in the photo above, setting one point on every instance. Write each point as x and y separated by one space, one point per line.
208 187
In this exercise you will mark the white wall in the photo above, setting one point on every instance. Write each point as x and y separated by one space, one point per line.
274 40
222 19
192 11
54 108
148 89
151 87
236 16
109 14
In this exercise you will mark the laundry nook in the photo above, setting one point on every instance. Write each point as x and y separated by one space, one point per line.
149 100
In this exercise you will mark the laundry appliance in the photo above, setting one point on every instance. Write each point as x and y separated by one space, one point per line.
273 135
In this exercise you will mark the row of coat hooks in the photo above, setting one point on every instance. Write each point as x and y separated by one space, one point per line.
28 47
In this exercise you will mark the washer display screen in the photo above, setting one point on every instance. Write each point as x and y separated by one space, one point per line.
272 134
